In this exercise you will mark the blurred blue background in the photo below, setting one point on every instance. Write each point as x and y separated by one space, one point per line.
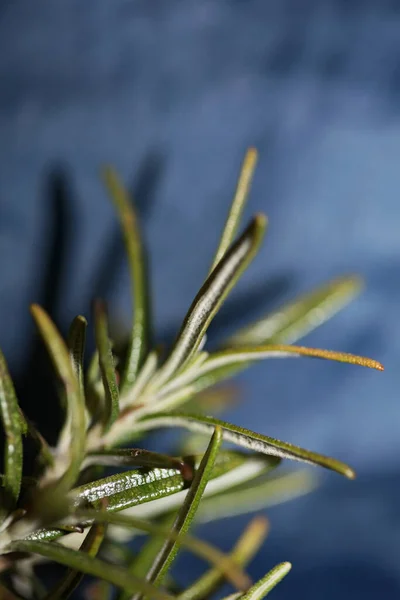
173 93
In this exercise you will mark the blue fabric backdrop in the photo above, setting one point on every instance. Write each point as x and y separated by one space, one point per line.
172 93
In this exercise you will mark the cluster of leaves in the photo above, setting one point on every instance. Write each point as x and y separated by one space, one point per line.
70 513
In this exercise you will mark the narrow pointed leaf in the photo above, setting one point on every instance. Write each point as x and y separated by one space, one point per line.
258 494
223 364
130 457
236 210
267 583
76 348
294 320
75 406
245 549
243 474
141 563
13 430
134 394
245 438
211 296
90 566
228 357
138 346
134 490
188 510
226 363
76 345
73 577
207 552
107 367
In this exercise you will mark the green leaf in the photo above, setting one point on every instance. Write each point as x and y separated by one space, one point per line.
200 548
90 566
221 364
73 577
157 491
130 457
76 345
107 367
211 296
245 549
75 406
259 494
134 394
187 512
145 558
226 363
294 320
139 342
267 583
236 210
245 438
13 430
133 488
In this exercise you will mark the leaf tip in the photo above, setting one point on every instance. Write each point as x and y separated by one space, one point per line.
349 473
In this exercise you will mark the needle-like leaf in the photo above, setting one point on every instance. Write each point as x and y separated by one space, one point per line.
130 457
258 494
239 200
223 363
211 296
73 577
245 438
141 563
187 512
89 565
207 552
245 549
13 429
75 405
107 367
267 583
76 345
138 345
294 320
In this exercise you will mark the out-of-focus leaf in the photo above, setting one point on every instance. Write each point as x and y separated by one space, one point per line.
245 549
258 494
233 573
236 210
267 583
107 367
90 566
76 417
295 320
187 512
76 345
13 430
211 296
73 577
139 342
141 564
245 438
134 394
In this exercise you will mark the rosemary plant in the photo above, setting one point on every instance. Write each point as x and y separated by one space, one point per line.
71 513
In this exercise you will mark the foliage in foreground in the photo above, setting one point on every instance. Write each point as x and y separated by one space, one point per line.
70 513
